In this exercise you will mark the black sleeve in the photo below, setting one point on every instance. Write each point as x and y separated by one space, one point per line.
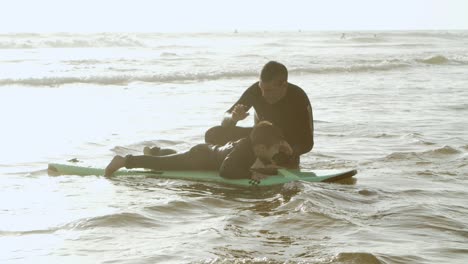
237 164
304 139
246 98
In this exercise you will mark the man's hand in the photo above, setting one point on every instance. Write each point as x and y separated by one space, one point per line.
239 113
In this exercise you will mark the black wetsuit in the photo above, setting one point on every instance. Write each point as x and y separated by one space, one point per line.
292 114
233 160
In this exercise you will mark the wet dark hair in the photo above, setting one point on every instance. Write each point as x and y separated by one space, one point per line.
265 133
274 70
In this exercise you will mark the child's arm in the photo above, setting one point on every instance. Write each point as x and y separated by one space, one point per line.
264 171
237 164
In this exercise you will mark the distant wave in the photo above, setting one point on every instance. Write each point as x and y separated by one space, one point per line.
353 68
385 65
443 152
125 79
92 41
438 59
434 34
442 60
76 40
415 35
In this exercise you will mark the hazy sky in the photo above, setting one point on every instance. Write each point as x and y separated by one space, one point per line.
215 15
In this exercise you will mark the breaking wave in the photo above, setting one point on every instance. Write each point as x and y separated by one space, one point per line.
437 153
124 79
438 59
353 68
111 78
84 41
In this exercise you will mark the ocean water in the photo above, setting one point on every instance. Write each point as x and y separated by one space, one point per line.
393 105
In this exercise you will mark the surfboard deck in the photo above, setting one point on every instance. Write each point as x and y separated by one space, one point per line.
283 176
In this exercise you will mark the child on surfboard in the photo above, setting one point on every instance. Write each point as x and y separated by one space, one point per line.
250 157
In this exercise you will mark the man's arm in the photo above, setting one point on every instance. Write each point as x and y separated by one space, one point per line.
231 118
304 134
238 111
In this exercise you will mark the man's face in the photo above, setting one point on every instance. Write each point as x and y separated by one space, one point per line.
273 90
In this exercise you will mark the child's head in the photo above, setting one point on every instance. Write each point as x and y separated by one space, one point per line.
266 140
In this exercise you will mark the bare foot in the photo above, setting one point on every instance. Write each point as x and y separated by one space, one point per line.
116 163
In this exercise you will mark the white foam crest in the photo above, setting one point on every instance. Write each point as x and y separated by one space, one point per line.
383 66
125 79
358 66
441 60
80 41
142 69
437 59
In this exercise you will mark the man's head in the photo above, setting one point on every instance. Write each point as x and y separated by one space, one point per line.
266 140
273 81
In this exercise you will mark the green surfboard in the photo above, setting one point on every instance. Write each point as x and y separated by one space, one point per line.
283 176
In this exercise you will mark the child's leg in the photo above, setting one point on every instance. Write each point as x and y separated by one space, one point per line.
180 161
157 151
199 157
221 135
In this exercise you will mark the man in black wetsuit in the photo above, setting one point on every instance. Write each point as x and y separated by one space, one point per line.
278 101
249 157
